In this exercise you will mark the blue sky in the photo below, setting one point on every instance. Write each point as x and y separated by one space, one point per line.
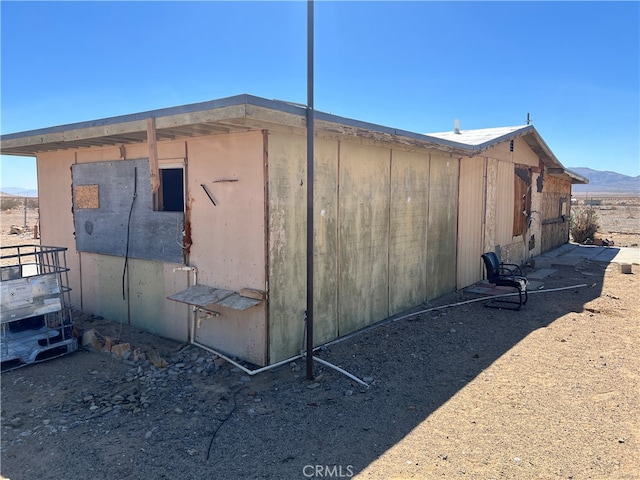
574 66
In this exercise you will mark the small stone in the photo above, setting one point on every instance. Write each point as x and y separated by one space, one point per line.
16 422
245 379
348 393
179 365
192 451
148 434
94 372
313 385
94 407
46 421
621 440
367 379
178 410
87 399
120 349
117 398
107 409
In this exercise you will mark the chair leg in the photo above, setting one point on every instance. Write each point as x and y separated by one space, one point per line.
494 303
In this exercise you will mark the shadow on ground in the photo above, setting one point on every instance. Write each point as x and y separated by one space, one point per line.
277 424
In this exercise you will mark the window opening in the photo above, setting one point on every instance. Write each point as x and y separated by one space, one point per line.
171 191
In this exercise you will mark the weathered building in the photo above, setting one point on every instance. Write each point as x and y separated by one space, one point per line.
213 195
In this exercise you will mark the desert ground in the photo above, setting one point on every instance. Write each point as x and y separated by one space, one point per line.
455 390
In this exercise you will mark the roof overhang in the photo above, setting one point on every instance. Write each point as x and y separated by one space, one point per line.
233 114
243 113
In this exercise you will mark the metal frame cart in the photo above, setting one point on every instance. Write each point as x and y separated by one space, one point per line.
36 320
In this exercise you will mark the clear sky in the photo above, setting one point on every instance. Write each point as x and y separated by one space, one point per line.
417 66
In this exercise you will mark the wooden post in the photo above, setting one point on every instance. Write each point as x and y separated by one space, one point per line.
153 160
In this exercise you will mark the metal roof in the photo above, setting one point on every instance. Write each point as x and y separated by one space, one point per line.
484 138
247 112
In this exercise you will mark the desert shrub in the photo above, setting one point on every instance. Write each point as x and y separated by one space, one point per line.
11 203
583 224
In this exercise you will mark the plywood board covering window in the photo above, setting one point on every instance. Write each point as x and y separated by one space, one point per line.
87 196
522 200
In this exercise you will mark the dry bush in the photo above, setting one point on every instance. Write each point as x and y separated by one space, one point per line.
583 224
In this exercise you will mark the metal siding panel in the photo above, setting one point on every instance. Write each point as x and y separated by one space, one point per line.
504 203
408 232
470 221
363 236
442 226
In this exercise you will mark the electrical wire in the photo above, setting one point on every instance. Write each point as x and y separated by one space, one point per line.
126 254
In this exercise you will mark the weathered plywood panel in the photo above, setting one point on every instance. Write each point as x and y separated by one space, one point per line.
287 243
104 274
363 236
325 259
442 226
470 221
147 295
408 230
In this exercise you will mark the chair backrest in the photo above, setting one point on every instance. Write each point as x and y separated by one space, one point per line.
492 264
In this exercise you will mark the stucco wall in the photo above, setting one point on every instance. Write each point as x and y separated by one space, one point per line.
228 247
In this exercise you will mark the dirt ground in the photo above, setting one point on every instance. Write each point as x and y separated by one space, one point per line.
549 392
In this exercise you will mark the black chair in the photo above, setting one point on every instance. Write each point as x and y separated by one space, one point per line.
505 275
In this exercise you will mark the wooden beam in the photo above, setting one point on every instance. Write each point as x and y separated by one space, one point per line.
153 158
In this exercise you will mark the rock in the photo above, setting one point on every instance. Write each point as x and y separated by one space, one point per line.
90 339
367 379
219 362
94 407
16 230
245 379
120 349
117 398
16 422
348 393
178 410
88 398
313 385
148 434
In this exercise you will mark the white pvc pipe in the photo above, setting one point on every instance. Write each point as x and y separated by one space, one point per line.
241 367
344 372
415 314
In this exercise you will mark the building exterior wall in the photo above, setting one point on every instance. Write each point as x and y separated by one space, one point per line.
227 242
394 226
487 206
384 234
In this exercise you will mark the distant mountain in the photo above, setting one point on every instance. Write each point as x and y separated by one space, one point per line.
606 182
19 192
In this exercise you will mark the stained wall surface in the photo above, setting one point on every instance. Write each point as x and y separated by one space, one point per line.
375 210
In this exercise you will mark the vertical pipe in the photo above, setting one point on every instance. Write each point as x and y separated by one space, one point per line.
310 147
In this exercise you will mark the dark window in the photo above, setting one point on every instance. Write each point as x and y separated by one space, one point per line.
171 190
